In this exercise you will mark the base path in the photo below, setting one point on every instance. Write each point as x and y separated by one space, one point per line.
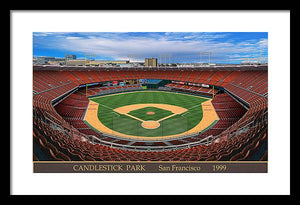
208 118
127 108
176 110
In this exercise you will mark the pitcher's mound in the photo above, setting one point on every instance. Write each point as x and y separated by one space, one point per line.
150 124
150 113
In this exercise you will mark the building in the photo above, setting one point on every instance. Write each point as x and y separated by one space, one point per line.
57 61
126 65
70 57
103 62
150 62
83 62
43 60
76 62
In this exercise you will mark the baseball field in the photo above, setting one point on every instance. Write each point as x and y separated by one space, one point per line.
150 115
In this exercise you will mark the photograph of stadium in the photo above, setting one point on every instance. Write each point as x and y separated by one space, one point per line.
150 97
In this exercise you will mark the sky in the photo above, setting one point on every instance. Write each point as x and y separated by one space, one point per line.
179 47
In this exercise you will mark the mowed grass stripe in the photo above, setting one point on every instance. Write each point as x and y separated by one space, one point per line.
173 125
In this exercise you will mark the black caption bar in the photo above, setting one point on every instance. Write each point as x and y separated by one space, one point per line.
150 167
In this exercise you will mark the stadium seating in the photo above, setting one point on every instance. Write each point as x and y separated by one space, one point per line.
238 135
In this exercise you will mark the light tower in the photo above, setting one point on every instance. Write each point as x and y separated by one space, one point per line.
166 57
88 56
133 56
169 55
207 54
160 58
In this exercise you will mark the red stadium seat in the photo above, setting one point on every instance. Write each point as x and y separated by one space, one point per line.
247 86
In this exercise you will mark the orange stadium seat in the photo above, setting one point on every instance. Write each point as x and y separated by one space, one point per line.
249 87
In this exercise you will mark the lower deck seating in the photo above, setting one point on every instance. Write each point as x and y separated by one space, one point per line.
62 147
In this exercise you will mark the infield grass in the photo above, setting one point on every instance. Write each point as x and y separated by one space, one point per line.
157 113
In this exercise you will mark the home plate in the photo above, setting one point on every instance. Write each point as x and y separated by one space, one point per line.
150 124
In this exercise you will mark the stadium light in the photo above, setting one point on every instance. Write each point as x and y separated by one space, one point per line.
166 56
169 55
133 56
161 58
206 53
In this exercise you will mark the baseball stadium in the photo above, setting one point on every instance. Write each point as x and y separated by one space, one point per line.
201 113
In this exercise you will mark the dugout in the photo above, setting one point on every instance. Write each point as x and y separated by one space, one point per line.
156 83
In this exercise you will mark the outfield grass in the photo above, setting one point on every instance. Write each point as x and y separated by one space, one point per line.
127 125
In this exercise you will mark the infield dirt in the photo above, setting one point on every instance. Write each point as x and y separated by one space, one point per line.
209 117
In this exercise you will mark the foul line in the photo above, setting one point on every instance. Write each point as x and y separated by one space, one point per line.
185 113
134 117
167 117
116 113
194 106
106 106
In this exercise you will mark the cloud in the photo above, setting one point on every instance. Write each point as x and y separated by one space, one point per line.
263 43
181 45
73 37
42 33
39 34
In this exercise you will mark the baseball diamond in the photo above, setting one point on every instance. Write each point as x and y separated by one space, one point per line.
125 114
